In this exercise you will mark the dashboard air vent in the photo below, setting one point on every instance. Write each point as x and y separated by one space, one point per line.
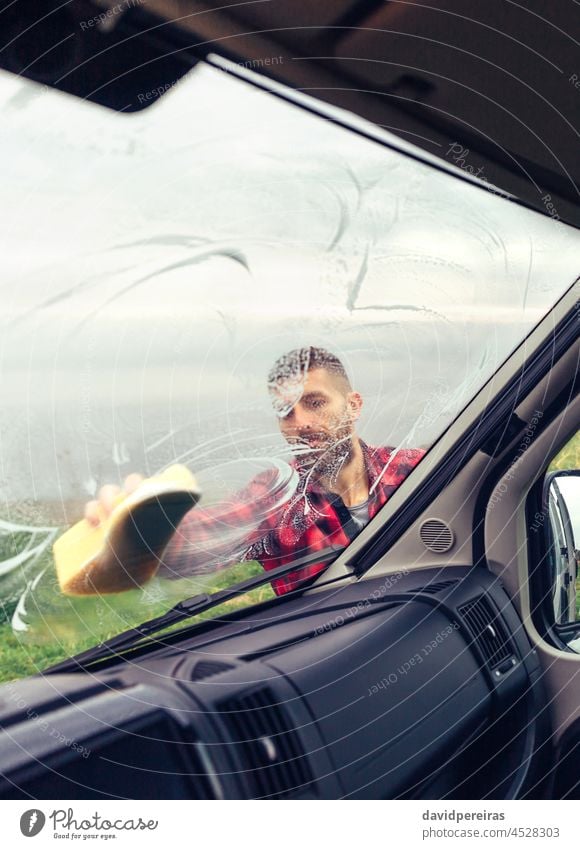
207 668
274 763
487 629
433 589
436 535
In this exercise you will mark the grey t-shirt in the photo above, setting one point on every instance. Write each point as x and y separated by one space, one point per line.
360 514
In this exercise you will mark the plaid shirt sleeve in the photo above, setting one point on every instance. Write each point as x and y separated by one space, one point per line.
199 537
196 542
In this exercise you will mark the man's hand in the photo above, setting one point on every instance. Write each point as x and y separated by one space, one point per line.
109 496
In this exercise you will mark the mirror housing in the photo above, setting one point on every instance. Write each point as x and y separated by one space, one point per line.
561 499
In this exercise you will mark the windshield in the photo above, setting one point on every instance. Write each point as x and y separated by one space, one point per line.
226 286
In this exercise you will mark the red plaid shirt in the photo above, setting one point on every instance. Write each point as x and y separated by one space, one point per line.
312 520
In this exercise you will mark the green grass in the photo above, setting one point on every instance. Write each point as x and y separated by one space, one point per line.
63 626
568 457
19 659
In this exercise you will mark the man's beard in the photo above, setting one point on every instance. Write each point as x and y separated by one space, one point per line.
328 456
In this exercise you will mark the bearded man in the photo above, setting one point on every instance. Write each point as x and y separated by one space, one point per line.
342 481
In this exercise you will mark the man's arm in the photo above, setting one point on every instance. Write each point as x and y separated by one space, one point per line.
209 539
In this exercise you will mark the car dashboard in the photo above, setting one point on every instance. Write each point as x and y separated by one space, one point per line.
413 685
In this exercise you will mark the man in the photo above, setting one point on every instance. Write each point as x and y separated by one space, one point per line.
342 481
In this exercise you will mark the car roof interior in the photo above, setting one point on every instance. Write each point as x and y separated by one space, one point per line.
496 81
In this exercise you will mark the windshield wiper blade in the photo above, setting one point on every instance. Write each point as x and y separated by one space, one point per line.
190 607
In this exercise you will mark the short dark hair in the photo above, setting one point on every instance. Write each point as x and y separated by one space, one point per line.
302 360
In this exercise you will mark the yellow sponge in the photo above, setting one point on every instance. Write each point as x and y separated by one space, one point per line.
123 551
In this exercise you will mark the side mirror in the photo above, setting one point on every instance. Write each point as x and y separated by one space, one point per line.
562 503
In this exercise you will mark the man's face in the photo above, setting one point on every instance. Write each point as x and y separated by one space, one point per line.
316 416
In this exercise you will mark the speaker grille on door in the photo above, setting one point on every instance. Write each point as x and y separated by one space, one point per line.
436 535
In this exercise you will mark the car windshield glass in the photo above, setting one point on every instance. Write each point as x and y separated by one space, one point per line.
226 286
